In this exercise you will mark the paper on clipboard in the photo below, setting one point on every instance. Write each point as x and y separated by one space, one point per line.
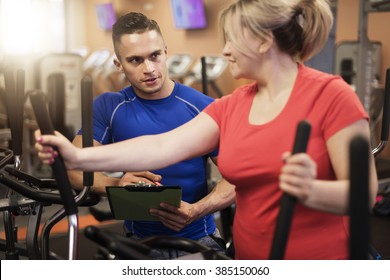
133 202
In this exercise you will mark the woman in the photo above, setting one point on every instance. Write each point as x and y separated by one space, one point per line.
266 41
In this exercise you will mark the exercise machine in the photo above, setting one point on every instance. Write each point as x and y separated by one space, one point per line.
214 66
179 65
42 192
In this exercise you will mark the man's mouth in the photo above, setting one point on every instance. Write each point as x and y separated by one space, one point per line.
150 80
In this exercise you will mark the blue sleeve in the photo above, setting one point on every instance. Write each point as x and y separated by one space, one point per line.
102 113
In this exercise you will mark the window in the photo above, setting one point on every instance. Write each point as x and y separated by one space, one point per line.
32 26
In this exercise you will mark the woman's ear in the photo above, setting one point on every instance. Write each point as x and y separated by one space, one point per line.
118 65
266 45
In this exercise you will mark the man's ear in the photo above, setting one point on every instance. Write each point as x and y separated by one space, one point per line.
118 65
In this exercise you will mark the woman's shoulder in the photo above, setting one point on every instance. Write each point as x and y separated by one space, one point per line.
242 92
320 77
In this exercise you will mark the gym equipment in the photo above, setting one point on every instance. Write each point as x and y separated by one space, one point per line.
87 123
127 249
382 207
96 59
359 199
385 117
14 99
178 65
70 65
346 65
45 192
288 202
70 206
42 193
59 169
106 77
366 74
215 66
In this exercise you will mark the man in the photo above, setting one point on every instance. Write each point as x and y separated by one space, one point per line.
154 104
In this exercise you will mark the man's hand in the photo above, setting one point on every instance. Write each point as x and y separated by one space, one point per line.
132 178
173 217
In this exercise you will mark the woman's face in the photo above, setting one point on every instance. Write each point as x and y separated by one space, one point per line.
243 55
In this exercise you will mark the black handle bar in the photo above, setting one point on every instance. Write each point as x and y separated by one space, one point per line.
87 122
14 96
359 199
386 109
28 191
43 119
288 202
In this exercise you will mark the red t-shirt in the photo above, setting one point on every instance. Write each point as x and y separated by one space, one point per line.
250 158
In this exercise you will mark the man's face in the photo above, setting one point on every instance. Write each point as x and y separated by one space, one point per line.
142 58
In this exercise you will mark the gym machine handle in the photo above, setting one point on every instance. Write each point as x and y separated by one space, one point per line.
359 199
386 109
28 185
286 212
87 122
28 191
31 180
15 104
56 100
43 119
204 75
385 117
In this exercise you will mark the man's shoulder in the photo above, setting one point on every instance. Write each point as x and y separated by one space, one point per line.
118 95
188 92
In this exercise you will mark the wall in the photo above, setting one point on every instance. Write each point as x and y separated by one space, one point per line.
195 42
203 42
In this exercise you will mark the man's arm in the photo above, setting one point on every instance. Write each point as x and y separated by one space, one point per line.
221 196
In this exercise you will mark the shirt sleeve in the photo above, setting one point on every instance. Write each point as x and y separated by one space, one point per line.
342 107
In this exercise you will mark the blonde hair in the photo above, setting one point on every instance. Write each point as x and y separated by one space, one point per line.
299 27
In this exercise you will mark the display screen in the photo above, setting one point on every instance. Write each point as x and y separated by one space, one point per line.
106 15
189 14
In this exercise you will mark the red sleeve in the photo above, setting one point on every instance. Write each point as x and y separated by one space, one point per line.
342 107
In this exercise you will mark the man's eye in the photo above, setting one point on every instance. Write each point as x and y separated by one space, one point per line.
135 60
155 56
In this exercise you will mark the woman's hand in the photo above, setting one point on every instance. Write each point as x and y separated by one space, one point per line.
298 175
45 148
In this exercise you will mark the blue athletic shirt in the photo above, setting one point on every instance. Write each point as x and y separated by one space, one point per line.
122 115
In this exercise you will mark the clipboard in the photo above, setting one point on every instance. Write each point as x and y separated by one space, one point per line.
133 202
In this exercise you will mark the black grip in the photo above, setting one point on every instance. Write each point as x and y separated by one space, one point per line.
359 199
87 122
204 75
15 121
20 87
386 109
43 119
288 202
56 100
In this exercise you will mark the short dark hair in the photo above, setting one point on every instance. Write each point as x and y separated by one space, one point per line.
132 23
